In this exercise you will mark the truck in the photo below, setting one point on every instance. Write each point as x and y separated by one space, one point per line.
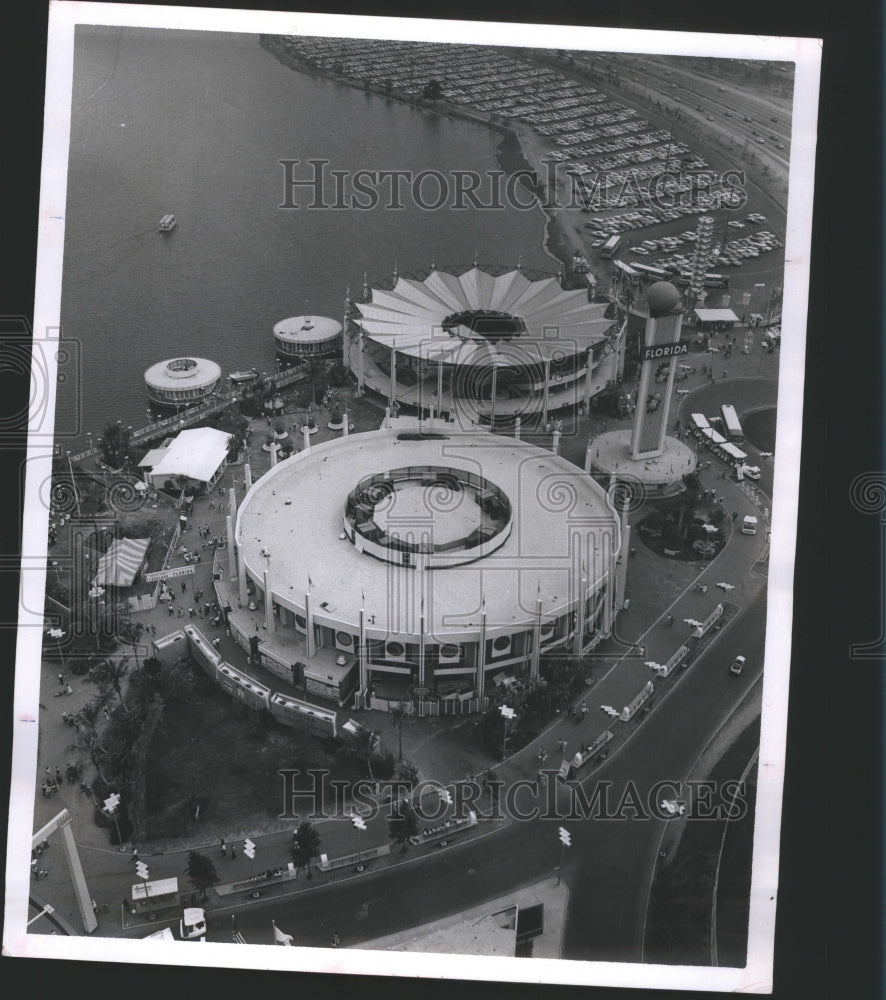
191 927
161 900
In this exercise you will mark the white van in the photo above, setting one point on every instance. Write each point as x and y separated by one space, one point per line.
749 525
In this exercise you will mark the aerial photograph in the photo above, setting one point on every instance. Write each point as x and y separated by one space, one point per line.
419 422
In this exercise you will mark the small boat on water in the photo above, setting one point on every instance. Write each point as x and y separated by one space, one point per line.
167 224
238 378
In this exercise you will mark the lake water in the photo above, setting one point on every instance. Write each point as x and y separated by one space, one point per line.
194 124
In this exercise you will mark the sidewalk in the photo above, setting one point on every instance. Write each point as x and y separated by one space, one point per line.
488 929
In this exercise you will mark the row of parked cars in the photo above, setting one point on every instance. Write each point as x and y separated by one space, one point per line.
731 254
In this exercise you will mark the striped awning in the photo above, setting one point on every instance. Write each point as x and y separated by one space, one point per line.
119 566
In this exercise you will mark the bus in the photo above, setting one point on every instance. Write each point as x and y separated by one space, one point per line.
699 424
652 273
716 281
610 247
731 424
710 280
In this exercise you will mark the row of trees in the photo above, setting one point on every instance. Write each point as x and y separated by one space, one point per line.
305 847
110 723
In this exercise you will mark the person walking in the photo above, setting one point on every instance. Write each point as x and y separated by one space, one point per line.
223 848
233 852
184 587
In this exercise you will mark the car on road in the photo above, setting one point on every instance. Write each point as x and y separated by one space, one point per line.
710 118
737 665
750 471
748 118
760 138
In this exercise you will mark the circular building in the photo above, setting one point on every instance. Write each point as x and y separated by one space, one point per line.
657 476
479 344
182 381
421 558
301 337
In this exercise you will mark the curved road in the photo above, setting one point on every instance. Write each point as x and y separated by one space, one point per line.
608 868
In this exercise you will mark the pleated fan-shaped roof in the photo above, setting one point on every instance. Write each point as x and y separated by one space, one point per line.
410 317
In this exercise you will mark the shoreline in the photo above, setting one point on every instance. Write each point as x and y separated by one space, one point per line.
511 154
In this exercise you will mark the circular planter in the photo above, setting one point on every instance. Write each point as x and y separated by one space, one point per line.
311 430
335 425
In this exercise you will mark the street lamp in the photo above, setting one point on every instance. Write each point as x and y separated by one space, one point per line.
249 851
359 825
565 841
57 633
507 714
141 869
111 803
73 484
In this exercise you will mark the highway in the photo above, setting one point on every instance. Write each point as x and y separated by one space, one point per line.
737 112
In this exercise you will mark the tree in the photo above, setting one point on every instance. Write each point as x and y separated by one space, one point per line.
403 824
433 91
408 772
87 736
201 872
688 499
363 746
114 445
232 422
107 674
305 845
398 714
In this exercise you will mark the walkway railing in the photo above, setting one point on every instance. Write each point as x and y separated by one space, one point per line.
187 418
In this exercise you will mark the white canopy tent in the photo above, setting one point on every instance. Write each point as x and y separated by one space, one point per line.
198 456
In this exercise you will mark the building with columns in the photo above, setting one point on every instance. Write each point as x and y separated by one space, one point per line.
482 345
421 559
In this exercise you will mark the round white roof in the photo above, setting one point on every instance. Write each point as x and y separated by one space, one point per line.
290 524
307 329
183 373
